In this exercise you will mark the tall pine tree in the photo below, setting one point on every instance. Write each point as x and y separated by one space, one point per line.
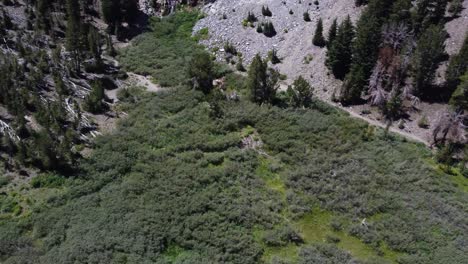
429 54
457 66
339 54
332 33
318 39
365 49
261 82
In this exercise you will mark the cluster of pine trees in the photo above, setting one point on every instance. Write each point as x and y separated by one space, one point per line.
44 110
410 46
392 55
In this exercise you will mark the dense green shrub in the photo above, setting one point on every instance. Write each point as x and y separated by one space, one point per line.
47 181
172 36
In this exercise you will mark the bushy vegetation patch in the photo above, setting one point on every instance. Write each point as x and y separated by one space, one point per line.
165 51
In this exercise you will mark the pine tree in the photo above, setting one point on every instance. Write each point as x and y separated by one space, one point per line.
94 45
269 29
339 55
73 30
457 66
428 12
400 12
429 53
459 98
251 17
332 33
301 92
110 47
93 102
111 12
306 17
455 8
319 40
365 50
261 81
273 54
43 15
200 69
266 11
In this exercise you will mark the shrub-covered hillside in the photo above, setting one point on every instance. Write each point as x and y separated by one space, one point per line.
192 177
177 185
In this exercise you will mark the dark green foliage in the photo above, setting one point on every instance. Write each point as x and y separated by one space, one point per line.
360 2
365 49
230 48
273 56
47 181
200 70
318 39
259 28
251 17
111 13
240 65
261 82
266 11
429 54
94 45
401 11
455 8
269 29
339 54
459 97
300 94
457 66
428 12
73 25
332 32
43 15
94 101
167 64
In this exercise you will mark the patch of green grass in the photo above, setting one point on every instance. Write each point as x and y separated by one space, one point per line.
315 228
202 34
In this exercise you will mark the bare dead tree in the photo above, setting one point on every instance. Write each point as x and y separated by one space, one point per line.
450 126
389 74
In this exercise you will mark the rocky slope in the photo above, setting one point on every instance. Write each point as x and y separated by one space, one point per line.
299 56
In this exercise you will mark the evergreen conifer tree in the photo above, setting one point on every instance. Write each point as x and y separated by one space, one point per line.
428 12
261 81
339 55
365 51
269 29
459 98
73 25
429 53
200 69
457 66
266 11
319 40
332 33
301 92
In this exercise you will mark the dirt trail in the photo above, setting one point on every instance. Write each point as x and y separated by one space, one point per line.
376 123
144 81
